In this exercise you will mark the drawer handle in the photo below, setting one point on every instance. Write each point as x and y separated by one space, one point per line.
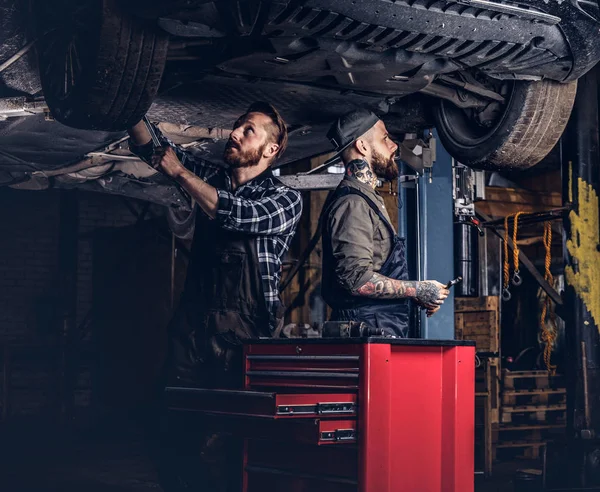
317 409
325 408
339 435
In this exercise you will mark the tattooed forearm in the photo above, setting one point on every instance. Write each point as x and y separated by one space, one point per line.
382 287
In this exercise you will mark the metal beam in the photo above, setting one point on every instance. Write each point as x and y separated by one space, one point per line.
194 132
316 182
12 107
533 218
18 55
309 182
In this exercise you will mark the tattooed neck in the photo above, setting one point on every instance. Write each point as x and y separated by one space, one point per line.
362 171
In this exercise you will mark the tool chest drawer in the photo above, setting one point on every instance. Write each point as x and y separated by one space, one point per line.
317 419
262 404
302 369
316 432
308 431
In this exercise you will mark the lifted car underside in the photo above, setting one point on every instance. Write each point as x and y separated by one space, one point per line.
497 79
390 47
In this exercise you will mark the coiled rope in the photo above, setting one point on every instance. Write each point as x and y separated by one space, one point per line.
516 280
549 331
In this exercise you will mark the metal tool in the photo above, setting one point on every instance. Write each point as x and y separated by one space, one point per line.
152 132
350 329
157 144
452 283
153 135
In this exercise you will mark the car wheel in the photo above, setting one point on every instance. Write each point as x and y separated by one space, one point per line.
514 135
99 68
182 222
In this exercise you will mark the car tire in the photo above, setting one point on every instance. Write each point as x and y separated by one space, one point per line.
100 68
529 126
182 222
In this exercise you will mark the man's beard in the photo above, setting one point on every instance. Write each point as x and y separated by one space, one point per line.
384 168
242 159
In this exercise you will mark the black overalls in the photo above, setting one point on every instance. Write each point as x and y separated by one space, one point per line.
392 316
223 303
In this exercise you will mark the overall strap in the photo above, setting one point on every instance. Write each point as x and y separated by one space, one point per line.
346 190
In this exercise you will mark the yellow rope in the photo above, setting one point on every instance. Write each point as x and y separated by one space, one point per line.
548 326
506 263
548 329
514 238
506 269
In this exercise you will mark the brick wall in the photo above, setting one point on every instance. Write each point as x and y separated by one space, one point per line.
29 224
95 211
28 259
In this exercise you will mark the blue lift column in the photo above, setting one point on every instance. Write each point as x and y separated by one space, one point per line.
430 225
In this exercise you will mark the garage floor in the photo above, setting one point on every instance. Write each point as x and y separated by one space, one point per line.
111 459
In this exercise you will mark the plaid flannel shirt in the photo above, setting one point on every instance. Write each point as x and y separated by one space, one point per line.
263 207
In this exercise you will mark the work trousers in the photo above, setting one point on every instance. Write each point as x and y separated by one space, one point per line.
192 456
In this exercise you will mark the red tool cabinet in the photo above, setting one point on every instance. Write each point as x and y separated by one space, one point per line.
350 415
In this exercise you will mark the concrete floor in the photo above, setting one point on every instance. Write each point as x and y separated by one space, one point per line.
503 473
40 458
113 459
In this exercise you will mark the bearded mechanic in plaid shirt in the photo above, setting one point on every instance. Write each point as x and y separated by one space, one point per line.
244 226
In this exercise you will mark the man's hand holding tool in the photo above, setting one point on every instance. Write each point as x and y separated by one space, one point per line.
431 294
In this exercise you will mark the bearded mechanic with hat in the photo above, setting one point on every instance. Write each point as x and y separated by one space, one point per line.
365 275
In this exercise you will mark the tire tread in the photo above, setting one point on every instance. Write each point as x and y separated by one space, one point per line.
538 129
535 119
120 82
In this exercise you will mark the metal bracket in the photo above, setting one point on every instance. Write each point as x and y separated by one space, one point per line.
468 186
418 153
12 107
